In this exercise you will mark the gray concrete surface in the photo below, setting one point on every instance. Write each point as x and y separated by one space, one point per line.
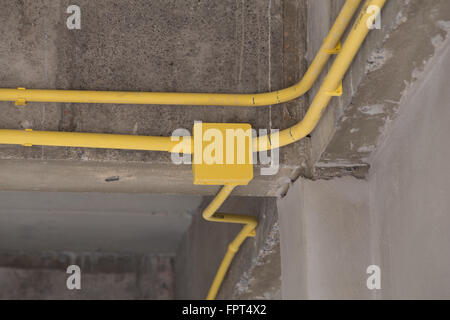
388 63
43 276
325 240
205 244
262 280
398 218
94 222
409 198
109 235
191 46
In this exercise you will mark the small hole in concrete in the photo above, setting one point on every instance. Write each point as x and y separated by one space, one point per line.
112 179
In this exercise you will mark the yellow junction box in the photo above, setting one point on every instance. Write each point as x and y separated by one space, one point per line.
223 154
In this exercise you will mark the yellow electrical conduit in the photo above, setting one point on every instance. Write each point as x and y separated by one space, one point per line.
29 138
331 86
107 141
329 47
328 89
250 224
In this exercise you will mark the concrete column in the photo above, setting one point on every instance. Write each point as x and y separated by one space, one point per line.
325 240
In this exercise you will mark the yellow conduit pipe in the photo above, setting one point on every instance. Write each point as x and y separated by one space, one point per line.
91 140
22 95
250 224
328 89
287 136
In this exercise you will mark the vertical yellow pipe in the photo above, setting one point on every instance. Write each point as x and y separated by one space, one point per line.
250 224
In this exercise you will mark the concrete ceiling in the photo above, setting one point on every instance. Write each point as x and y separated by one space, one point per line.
190 46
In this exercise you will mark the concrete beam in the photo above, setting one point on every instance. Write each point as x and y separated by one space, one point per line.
390 61
191 46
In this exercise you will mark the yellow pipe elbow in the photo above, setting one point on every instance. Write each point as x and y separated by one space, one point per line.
250 224
332 82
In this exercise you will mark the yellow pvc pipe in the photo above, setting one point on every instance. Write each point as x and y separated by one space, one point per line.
250 224
22 95
92 140
332 81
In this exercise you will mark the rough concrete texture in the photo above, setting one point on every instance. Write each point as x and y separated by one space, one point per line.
103 276
397 219
94 222
205 244
263 278
177 45
388 63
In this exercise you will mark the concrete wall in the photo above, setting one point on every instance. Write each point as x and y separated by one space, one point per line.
410 188
103 276
94 222
205 244
325 241
398 218
385 66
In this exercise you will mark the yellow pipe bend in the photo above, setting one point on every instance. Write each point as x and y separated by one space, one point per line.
23 95
250 224
332 81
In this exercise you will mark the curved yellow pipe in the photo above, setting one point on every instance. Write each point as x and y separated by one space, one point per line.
331 83
22 95
250 224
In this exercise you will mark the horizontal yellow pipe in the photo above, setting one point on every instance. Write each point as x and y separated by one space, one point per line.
22 95
332 81
91 140
250 224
